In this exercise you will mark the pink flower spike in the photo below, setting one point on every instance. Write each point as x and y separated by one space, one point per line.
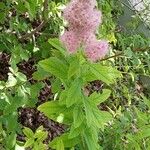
83 20
96 50
70 41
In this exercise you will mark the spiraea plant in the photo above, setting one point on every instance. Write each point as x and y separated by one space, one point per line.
83 19
73 66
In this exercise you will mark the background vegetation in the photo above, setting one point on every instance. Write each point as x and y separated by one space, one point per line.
30 58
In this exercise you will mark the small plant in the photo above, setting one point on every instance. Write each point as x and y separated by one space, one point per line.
35 140
73 106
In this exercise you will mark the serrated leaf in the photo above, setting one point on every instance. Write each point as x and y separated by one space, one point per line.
56 85
104 73
51 108
55 66
95 116
74 93
78 116
75 132
88 112
91 138
98 98
73 68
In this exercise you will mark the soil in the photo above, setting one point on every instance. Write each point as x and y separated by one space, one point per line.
4 66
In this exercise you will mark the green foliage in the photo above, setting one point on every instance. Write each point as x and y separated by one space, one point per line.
114 117
73 107
35 140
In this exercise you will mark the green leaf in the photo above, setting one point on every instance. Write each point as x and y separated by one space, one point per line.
28 132
68 143
56 86
41 135
95 116
132 142
56 67
101 117
11 80
78 116
18 147
73 68
2 12
11 119
54 110
11 140
91 138
98 98
31 6
128 52
51 108
2 6
60 145
89 113
146 101
104 73
40 74
2 85
35 89
144 132
74 93
29 142
56 44
21 77
4 97
36 146
141 117
76 132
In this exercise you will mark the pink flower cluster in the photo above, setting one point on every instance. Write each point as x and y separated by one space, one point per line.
83 21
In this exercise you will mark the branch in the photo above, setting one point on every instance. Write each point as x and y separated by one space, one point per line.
141 49
27 35
121 53
114 56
